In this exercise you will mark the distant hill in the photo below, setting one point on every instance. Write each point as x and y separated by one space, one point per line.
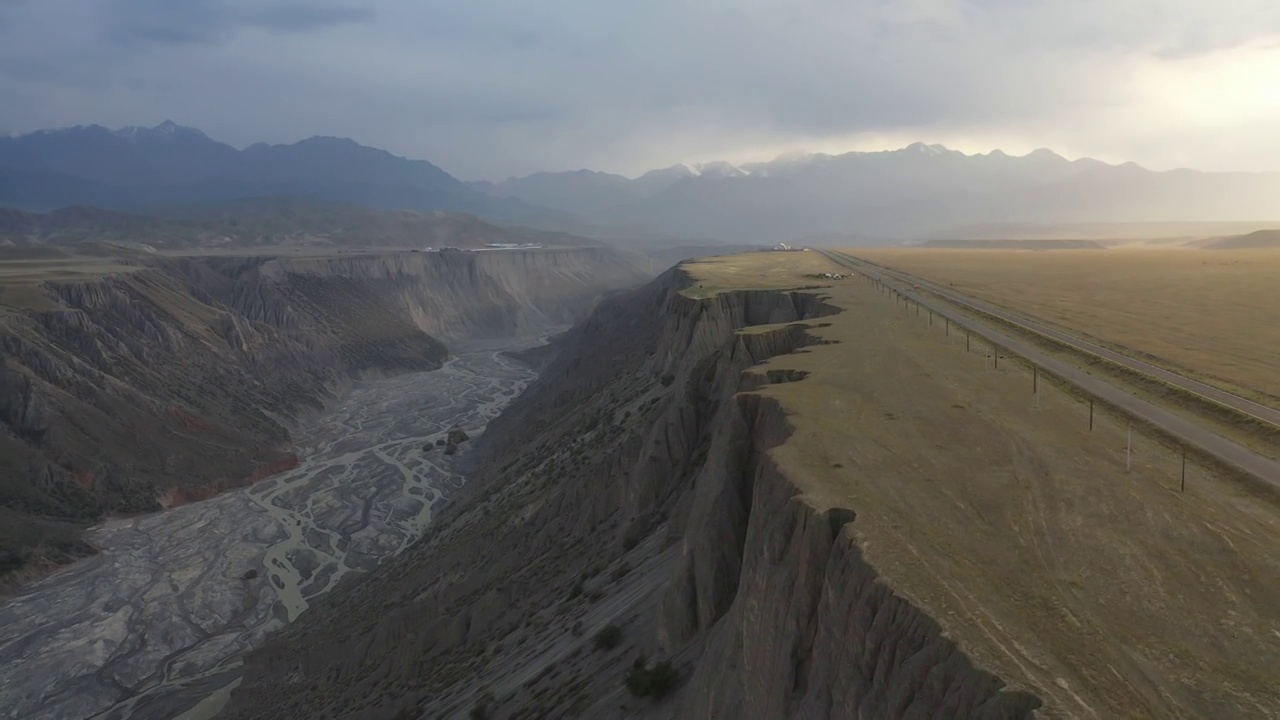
916 192
133 168
1015 244
1252 241
1105 231
255 222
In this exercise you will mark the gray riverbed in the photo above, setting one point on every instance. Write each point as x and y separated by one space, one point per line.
155 625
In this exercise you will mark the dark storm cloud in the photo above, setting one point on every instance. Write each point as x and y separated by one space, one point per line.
490 87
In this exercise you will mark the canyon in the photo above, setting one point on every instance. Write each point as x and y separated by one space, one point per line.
155 623
735 493
631 485
253 428
743 489
147 381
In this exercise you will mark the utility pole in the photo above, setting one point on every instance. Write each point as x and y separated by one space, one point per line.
1090 416
1128 449
1182 487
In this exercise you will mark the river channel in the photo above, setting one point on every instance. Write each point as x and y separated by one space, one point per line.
154 626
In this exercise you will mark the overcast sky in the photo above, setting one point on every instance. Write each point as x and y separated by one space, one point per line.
490 88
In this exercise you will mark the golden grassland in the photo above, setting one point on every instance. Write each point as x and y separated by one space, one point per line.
1106 592
756 271
1212 313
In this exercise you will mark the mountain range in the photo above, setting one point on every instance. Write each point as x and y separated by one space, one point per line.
921 191
915 192
274 222
135 168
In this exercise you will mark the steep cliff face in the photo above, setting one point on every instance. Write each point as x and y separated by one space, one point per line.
632 487
180 377
790 620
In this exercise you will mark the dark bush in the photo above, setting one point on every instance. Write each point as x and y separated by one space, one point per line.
608 638
654 682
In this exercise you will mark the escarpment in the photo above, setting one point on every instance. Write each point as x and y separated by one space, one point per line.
630 511
180 377
795 623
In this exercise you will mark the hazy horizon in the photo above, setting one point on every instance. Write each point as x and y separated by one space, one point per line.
492 90
741 160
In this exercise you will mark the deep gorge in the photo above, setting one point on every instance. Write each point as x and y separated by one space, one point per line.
631 486
180 377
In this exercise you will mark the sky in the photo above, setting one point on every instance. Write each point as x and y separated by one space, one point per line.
493 88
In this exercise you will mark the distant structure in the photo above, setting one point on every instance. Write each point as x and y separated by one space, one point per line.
513 246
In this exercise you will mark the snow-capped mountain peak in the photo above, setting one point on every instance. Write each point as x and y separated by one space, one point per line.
164 132
717 169
923 149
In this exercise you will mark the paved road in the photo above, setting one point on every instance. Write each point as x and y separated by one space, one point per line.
1264 469
1242 405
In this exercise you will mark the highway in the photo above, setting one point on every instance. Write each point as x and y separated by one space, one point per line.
1264 469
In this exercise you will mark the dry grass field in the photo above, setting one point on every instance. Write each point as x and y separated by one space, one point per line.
1105 591
21 281
1214 314
757 271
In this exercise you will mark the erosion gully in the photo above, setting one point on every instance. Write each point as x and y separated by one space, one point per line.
156 624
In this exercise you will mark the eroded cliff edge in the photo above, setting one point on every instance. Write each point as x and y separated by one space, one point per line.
175 378
633 486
